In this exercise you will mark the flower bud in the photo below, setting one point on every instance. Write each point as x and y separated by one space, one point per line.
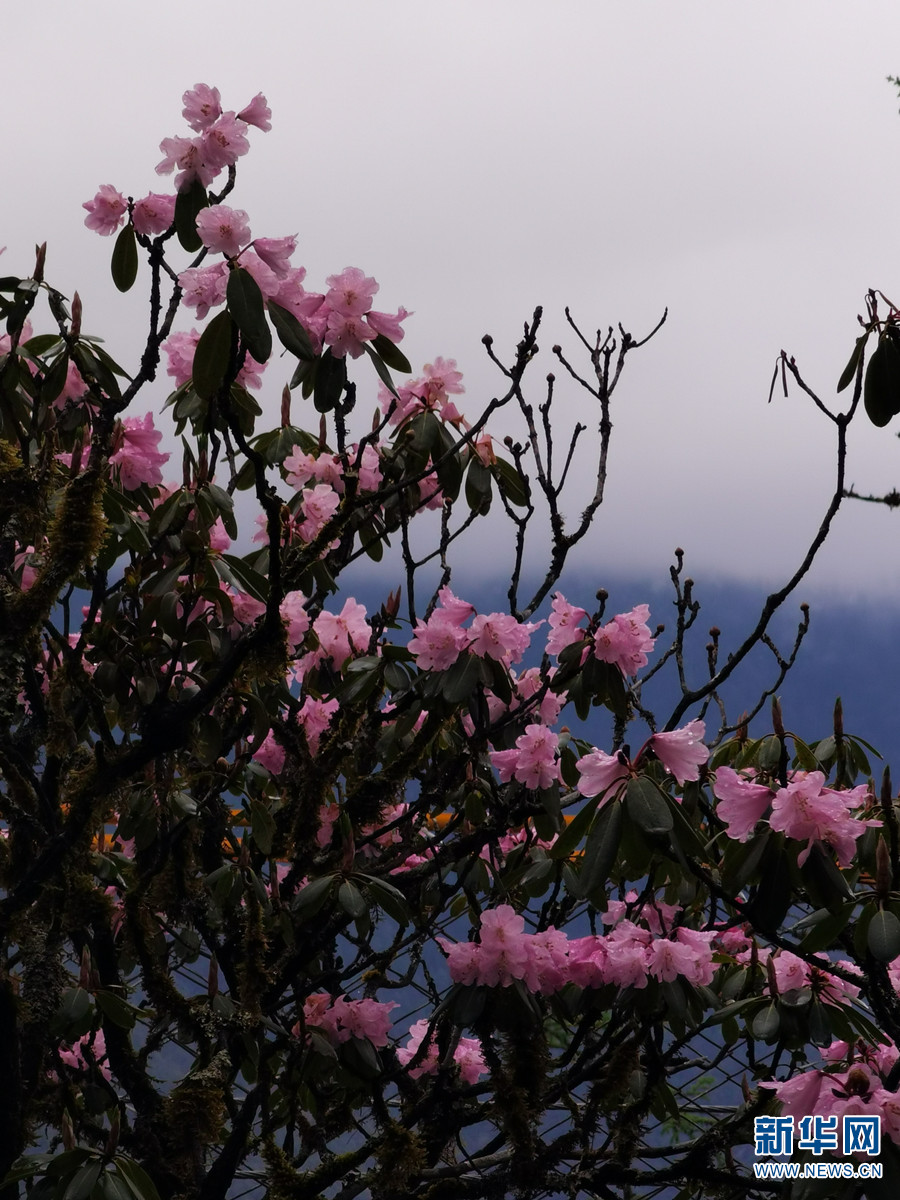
75 326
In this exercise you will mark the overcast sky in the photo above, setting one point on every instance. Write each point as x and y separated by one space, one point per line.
739 164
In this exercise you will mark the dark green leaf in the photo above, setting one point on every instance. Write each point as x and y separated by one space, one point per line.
55 379
125 259
245 303
380 369
881 394
136 1177
118 1010
41 343
575 830
850 370
82 1182
351 899
884 936
263 826
291 333
212 357
601 849
188 203
243 577
389 898
391 354
766 1023
647 806
478 486
827 929
331 377
511 483
311 898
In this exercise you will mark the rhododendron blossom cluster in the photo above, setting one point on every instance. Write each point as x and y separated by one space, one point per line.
629 956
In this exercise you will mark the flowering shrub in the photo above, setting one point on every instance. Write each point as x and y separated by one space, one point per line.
321 897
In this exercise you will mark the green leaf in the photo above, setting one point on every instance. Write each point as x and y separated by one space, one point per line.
881 394
511 483
575 830
55 379
460 680
263 826
647 806
245 303
212 357
124 264
311 898
350 898
243 577
850 370
74 1016
291 333
478 486
83 1181
118 1010
766 1023
601 849
380 369
142 1186
188 204
389 898
884 936
391 354
331 377
41 343
826 930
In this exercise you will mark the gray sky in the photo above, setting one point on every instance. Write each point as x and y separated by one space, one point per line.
738 163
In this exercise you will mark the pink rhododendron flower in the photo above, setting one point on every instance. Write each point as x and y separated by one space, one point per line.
351 292
441 379
388 324
315 717
106 211
369 468
76 1056
807 811
224 142
218 536
246 608
154 214
600 771
339 635
269 754
319 506
342 1019
364 1019
204 287
741 803
202 106
138 457
187 155
295 617
437 643
681 751
257 113
667 960
301 467
564 621
223 229
500 636
347 334
467 1055
533 761
276 253
625 640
